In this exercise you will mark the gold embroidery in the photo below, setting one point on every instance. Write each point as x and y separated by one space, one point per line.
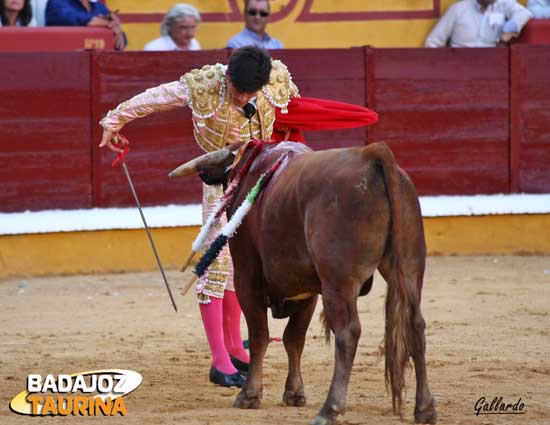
280 88
220 273
206 89
212 108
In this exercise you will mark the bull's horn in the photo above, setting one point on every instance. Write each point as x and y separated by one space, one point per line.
190 167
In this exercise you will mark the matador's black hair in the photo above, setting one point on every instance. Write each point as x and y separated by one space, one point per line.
249 68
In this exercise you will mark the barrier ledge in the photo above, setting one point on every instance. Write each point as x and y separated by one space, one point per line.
113 239
55 39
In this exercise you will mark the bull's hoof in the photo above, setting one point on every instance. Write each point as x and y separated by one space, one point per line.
427 415
322 420
245 401
294 398
327 415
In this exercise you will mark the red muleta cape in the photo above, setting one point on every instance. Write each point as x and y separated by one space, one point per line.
308 113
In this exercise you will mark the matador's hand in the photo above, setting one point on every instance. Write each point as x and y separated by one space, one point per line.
112 140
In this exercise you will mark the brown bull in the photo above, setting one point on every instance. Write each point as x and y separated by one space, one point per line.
324 224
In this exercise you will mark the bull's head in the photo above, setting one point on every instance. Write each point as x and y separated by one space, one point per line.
213 167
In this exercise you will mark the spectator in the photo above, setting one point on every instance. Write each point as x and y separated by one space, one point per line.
178 29
84 13
16 13
539 8
256 17
479 23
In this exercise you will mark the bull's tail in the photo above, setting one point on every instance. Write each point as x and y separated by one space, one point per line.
398 331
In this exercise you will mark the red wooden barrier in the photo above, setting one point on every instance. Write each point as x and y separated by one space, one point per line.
55 39
536 31
461 121
444 112
530 112
45 131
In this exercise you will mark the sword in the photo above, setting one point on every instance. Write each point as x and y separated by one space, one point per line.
120 158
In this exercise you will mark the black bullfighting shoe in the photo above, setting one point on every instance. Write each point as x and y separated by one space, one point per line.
239 364
226 379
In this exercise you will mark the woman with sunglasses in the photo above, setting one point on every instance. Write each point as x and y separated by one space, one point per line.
256 17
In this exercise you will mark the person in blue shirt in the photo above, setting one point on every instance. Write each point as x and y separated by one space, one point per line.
539 8
256 17
74 13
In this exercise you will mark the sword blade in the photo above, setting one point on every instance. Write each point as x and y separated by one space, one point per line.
149 234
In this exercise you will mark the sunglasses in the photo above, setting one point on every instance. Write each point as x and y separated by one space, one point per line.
255 12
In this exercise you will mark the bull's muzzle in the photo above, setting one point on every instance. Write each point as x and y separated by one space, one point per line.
191 167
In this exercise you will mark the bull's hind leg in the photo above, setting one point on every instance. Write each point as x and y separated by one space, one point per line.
414 325
294 339
424 410
342 318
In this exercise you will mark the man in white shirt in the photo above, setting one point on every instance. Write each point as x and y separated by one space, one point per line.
479 23
539 8
178 29
39 12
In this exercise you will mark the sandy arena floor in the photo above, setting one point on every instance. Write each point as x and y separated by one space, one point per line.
488 332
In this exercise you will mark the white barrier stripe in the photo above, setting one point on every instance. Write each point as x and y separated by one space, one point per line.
190 215
450 206
99 219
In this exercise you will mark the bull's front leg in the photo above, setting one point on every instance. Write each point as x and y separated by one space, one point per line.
343 320
294 340
258 335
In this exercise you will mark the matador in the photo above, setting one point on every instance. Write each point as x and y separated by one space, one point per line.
229 103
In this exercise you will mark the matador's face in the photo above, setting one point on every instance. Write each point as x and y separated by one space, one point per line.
238 98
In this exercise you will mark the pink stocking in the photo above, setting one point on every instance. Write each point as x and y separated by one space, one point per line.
232 326
212 320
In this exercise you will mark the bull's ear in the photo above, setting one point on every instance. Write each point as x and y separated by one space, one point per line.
216 158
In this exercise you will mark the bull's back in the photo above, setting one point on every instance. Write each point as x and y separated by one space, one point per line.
326 207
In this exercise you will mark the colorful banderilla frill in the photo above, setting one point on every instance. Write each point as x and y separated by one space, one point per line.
230 228
221 206
213 218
